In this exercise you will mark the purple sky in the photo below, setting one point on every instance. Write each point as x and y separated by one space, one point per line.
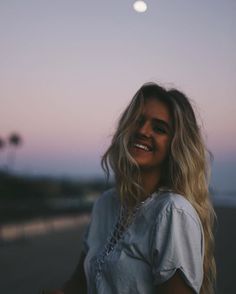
68 69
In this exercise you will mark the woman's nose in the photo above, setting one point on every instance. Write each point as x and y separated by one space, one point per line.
145 129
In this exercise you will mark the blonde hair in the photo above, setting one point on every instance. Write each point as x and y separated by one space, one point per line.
187 167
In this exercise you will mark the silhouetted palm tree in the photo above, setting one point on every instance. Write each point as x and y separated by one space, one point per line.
2 144
14 141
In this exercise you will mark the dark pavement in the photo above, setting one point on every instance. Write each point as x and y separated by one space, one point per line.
30 263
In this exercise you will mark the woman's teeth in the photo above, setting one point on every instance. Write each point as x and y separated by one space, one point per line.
141 146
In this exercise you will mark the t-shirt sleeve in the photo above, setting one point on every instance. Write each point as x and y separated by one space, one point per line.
178 245
85 246
87 231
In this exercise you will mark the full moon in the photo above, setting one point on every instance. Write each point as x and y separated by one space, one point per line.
140 6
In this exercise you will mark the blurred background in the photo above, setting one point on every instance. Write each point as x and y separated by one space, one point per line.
67 70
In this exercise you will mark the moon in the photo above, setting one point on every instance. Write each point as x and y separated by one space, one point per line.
140 6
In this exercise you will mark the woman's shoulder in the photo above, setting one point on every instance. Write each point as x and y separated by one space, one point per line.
169 202
106 199
109 194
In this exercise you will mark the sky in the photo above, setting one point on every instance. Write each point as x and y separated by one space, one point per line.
68 68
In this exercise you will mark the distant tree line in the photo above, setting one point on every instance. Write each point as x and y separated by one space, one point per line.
25 187
22 187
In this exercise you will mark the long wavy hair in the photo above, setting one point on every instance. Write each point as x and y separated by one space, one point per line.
186 170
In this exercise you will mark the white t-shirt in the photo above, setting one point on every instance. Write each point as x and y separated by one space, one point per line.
165 235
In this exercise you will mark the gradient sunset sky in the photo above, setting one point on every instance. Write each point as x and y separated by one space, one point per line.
68 68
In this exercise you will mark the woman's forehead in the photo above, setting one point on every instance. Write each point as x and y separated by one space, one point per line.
156 108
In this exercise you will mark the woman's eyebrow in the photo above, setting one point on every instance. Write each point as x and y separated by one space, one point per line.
163 122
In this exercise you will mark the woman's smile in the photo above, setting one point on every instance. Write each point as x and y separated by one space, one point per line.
143 146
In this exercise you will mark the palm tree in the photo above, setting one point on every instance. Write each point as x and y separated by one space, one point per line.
2 143
14 141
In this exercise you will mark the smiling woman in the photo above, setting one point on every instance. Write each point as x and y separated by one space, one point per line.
152 233
151 139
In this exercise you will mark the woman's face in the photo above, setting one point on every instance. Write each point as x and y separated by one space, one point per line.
151 139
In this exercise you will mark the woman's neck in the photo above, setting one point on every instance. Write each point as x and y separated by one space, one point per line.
150 181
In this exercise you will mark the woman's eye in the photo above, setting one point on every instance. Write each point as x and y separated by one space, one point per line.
140 121
158 129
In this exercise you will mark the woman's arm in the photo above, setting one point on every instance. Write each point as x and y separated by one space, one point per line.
77 283
175 285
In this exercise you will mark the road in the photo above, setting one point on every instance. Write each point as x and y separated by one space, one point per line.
30 263
46 260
